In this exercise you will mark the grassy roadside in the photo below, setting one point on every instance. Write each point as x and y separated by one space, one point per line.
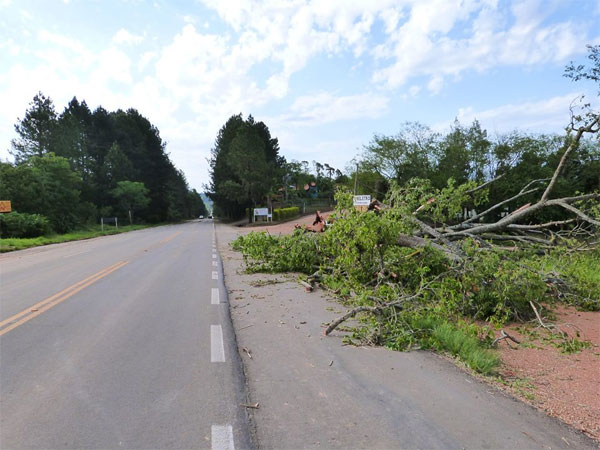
12 244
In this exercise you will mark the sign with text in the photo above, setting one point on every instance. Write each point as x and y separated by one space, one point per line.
261 211
5 206
362 200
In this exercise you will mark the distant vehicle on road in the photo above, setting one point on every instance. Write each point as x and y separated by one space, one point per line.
210 217
201 217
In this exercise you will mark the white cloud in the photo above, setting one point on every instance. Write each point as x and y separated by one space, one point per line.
549 115
190 83
292 33
125 37
425 45
323 107
435 84
75 50
435 39
145 59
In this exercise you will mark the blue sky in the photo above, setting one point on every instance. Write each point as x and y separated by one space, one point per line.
323 75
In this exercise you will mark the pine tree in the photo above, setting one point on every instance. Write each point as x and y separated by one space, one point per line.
35 130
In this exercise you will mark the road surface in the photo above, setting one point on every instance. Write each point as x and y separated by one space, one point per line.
122 341
126 342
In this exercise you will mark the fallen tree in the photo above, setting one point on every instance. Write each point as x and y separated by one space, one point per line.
415 272
509 227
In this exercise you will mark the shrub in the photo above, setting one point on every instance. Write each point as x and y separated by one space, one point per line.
23 225
263 252
285 213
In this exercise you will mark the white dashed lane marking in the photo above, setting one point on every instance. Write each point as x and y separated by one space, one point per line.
215 275
222 437
214 296
217 350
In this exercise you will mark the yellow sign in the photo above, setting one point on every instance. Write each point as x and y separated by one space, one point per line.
5 206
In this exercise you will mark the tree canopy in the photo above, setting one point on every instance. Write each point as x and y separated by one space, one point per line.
78 165
244 165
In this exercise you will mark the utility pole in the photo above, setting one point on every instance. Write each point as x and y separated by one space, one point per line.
356 180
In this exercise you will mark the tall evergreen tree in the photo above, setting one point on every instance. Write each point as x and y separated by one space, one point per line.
244 165
35 130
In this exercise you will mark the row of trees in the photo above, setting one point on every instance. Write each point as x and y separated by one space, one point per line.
247 170
78 165
469 153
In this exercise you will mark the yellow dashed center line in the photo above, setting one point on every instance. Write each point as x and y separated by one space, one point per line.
33 311
164 241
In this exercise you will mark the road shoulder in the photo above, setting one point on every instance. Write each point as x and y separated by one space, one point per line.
314 392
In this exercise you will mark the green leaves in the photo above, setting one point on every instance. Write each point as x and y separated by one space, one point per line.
131 196
35 130
67 165
243 165
265 253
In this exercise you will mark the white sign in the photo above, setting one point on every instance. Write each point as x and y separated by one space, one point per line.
261 211
362 200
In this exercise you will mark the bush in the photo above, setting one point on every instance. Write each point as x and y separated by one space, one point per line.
22 225
285 213
265 253
430 299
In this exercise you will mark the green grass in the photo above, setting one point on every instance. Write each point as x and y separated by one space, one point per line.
12 244
466 346
459 339
580 270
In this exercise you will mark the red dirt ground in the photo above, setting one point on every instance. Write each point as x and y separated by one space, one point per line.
566 386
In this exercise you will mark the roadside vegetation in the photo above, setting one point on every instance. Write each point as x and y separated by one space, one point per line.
74 167
12 244
247 171
468 235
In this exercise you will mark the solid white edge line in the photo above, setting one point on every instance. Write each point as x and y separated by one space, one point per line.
217 350
215 275
222 437
214 296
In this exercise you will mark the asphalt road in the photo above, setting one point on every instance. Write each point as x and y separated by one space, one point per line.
121 341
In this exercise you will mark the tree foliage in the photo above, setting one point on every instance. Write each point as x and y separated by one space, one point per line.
417 270
36 129
244 165
71 167
131 196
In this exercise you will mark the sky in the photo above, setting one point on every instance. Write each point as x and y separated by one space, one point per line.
324 76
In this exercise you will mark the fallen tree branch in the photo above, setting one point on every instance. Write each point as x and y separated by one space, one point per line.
405 240
538 226
544 201
437 235
372 309
333 325
504 335
577 212
487 183
589 128
306 285
549 327
524 191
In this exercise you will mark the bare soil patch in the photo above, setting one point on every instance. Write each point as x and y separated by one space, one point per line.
285 227
566 386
